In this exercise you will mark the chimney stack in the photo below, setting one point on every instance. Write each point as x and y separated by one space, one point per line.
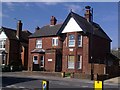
53 20
88 13
19 28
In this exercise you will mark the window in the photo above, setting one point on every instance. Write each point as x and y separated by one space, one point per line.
71 62
71 40
79 62
42 61
55 41
79 40
2 44
35 59
39 43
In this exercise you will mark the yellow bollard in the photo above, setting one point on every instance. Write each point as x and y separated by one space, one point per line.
45 85
98 85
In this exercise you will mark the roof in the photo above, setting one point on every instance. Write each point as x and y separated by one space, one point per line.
11 34
38 50
48 30
87 27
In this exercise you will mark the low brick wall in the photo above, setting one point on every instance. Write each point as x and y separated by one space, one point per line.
82 76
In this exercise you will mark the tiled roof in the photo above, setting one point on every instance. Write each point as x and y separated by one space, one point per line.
87 27
11 34
47 31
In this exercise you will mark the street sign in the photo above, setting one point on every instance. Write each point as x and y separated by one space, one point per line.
98 85
45 85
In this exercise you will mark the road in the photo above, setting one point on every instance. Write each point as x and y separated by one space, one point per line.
11 80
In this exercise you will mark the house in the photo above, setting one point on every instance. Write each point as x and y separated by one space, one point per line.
14 45
77 45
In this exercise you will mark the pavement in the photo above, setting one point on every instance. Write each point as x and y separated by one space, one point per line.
115 80
111 81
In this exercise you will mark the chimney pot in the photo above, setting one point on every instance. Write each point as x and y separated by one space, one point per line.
88 14
53 20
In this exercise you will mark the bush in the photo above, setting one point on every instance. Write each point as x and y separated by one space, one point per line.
15 65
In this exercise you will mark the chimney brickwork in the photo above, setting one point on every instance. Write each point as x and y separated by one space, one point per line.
88 14
53 20
19 28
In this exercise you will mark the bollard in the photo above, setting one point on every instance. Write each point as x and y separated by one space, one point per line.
45 85
98 85
63 74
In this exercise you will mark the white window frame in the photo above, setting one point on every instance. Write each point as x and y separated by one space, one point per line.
2 44
35 61
80 40
39 43
79 62
42 61
71 65
55 41
72 41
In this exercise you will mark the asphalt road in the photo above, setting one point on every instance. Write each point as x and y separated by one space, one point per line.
11 81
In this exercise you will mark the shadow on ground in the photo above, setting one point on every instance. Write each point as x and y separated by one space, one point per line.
13 80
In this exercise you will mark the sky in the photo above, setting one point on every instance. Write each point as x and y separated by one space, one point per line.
35 14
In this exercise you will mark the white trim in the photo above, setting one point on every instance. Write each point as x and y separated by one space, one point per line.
39 43
72 26
80 62
55 41
35 62
81 41
43 61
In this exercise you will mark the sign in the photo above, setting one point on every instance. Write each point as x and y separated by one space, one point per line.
98 85
49 59
45 85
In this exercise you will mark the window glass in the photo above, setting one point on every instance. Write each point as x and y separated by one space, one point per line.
71 62
35 59
55 41
39 43
79 62
79 40
71 40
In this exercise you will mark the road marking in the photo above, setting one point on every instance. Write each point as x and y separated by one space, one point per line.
84 86
13 86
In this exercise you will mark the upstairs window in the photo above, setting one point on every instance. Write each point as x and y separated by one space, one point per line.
2 44
71 40
55 41
79 40
39 43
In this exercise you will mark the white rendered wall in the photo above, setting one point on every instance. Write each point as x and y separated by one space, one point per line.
72 26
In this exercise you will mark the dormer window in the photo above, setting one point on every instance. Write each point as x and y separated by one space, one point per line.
71 40
2 44
39 43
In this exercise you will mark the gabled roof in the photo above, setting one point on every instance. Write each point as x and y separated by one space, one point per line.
47 31
11 34
87 27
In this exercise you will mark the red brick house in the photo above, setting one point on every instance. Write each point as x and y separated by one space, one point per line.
14 45
77 45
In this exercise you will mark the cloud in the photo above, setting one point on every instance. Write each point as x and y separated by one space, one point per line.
10 5
73 7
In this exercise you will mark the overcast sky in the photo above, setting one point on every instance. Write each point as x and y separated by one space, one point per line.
35 14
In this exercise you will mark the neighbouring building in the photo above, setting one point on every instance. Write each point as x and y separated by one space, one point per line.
77 45
14 45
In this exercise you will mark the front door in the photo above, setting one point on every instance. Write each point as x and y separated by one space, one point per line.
35 63
58 64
